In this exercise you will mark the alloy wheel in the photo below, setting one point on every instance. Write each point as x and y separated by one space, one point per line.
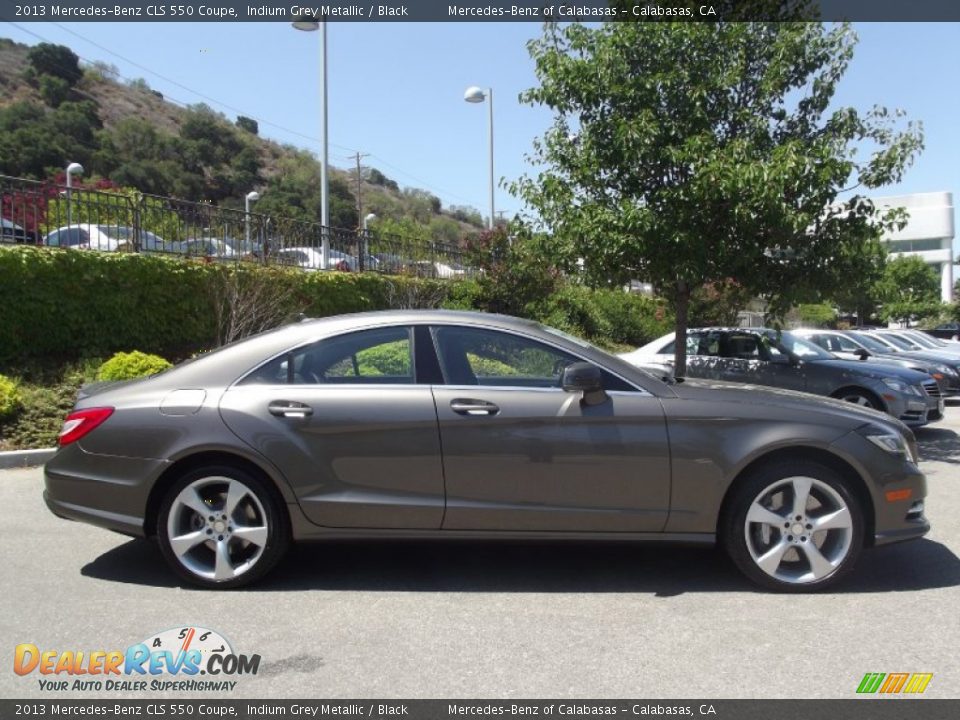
799 530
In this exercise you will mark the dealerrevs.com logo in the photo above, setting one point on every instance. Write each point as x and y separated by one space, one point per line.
177 660
894 683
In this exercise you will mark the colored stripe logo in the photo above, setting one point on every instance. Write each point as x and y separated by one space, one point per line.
894 683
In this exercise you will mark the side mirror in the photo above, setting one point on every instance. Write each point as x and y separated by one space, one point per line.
586 378
862 353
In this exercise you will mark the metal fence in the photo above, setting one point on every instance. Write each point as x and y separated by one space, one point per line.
44 213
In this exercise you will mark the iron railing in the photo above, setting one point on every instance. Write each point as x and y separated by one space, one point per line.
45 213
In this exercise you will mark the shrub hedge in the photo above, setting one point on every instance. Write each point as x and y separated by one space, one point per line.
127 366
66 304
9 397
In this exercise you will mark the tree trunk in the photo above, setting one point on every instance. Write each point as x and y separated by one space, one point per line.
680 329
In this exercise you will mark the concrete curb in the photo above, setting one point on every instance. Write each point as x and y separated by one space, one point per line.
25 458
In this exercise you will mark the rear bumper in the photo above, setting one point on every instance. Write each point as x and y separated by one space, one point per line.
104 490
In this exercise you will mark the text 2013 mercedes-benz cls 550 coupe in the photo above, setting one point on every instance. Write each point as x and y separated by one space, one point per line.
433 424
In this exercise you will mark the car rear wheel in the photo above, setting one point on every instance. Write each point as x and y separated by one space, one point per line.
794 527
221 527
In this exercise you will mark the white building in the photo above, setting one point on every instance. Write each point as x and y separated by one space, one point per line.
928 233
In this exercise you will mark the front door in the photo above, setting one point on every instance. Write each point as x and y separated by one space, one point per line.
521 454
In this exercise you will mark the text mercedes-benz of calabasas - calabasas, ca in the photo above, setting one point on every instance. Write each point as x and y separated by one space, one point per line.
434 424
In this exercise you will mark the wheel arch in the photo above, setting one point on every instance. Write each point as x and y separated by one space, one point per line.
831 460
839 392
200 459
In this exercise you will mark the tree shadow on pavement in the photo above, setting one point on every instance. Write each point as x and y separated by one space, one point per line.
498 567
938 445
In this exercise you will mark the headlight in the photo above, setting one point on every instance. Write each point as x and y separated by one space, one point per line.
944 370
893 443
902 387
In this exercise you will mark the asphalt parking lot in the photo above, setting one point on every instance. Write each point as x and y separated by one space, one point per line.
402 620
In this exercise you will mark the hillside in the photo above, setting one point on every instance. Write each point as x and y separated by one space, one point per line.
53 108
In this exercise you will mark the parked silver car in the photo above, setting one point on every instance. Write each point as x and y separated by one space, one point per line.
432 424
785 360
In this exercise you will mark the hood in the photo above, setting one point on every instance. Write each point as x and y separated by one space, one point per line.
875 370
843 414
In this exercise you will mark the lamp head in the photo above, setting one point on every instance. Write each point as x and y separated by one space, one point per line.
473 94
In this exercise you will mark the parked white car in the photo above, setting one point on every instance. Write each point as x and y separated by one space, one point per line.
310 258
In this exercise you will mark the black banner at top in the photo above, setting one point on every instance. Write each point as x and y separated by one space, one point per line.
477 10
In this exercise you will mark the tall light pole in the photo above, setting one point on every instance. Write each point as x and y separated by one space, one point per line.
251 196
474 94
72 169
365 245
308 24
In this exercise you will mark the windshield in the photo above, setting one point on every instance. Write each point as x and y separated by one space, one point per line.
798 346
868 342
899 342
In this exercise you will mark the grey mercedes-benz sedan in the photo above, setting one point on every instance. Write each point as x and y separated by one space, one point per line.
437 424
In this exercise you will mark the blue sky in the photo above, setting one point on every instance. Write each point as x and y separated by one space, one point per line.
396 90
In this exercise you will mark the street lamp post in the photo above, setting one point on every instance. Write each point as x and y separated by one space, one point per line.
474 94
365 244
72 169
308 24
252 196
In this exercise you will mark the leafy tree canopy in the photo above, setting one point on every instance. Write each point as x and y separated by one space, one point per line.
909 290
56 60
692 153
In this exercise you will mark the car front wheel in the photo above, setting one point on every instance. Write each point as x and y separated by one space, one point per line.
220 527
794 527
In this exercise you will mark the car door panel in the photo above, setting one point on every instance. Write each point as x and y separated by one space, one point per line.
366 456
542 461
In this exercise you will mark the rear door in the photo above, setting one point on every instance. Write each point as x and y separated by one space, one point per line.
349 425
521 454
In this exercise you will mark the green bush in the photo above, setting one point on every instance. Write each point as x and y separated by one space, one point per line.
127 366
10 401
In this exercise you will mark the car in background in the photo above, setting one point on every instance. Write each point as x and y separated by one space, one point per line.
441 425
86 236
904 342
11 232
875 344
311 258
847 347
931 343
785 360
225 248
946 331
435 269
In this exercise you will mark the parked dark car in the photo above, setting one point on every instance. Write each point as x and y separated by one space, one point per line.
785 360
847 346
433 424
947 331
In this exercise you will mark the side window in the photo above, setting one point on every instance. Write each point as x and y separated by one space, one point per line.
742 346
376 357
844 344
474 356
706 344
670 348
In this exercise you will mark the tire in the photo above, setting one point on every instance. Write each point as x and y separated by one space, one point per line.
762 535
209 545
860 397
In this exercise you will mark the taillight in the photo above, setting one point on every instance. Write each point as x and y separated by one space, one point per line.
80 422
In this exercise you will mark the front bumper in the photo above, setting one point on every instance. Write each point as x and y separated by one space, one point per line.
896 486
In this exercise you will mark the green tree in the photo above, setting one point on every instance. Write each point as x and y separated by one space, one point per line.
909 290
55 60
689 153
248 124
858 293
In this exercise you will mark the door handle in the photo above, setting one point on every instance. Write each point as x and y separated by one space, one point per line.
289 409
463 406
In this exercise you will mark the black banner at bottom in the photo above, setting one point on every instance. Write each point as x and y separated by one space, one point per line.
854 709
